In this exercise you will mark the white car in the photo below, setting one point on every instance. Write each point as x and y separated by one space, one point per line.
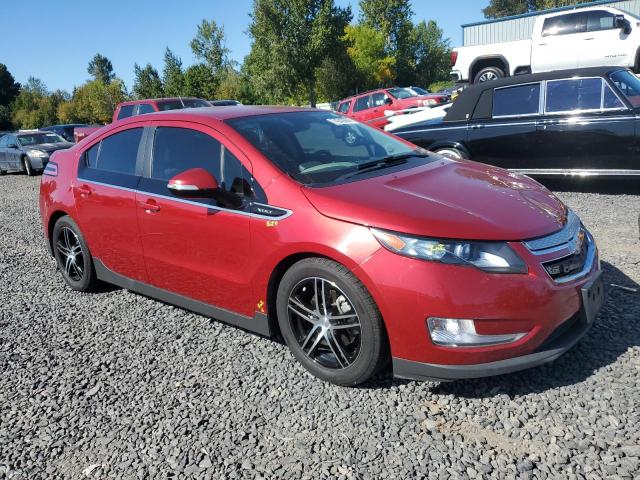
585 37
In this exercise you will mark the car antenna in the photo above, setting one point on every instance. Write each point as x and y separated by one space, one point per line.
180 98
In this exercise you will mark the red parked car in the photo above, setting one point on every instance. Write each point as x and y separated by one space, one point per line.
355 246
140 107
370 107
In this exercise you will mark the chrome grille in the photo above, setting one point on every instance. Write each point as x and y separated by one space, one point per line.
556 241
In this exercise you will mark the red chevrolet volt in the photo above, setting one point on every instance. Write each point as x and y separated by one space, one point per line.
358 248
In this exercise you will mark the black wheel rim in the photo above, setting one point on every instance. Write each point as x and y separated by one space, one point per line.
324 322
70 254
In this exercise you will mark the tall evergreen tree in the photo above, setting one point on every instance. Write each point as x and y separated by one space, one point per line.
147 83
172 75
101 69
9 88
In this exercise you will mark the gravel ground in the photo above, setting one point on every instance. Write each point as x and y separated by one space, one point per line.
115 385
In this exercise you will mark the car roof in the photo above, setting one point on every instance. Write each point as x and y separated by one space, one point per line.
146 100
214 113
468 99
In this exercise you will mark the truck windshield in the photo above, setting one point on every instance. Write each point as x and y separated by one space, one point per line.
628 84
178 104
320 147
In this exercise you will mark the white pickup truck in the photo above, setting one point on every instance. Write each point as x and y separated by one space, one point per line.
582 37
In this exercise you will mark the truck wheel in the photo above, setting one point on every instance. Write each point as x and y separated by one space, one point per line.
487 74
26 166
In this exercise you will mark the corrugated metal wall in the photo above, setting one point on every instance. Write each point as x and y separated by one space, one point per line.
521 28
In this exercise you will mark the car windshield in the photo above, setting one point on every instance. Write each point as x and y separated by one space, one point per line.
178 104
628 84
320 147
420 91
401 93
27 140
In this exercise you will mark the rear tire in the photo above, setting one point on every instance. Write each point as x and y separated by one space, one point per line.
73 256
330 322
488 74
26 166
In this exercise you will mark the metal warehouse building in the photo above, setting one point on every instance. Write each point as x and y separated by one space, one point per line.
520 27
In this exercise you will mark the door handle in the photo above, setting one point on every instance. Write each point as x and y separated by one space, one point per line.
150 206
476 127
84 191
590 38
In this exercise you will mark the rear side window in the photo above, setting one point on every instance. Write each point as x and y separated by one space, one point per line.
117 153
574 94
564 25
362 103
145 108
518 100
344 107
125 111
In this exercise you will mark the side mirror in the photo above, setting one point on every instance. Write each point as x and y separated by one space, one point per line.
12 145
196 182
621 23
388 101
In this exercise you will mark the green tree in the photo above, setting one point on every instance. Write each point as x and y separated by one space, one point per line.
503 8
291 39
5 118
172 75
432 53
366 49
393 19
146 83
199 81
93 102
34 107
101 69
9 88
209 46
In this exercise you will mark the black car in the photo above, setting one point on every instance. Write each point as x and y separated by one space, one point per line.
65 131
581 121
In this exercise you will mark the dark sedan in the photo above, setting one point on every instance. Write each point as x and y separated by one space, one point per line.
29 152
65 131
572 122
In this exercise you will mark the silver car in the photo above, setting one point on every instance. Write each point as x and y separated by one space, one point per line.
28 152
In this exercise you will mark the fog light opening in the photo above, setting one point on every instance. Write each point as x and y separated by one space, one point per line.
454 332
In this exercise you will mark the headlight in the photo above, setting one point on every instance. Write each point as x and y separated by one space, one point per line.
496 257
37 153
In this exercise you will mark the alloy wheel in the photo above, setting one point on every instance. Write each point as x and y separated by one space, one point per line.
487 76
325 323
71 255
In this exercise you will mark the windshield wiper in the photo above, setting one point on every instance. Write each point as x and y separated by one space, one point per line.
384 162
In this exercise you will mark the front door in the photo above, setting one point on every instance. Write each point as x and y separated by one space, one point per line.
196 247
604 44
104 191
507 139
585 126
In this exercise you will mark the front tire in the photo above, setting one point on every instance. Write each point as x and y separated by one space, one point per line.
72 255
451 152
330 322
26 166
488 74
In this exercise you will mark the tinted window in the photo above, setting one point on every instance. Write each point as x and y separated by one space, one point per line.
519 100
118 153
574 94
181 103
610 99
599 20
362 103
3 140
179 149
377 99
564 24
125 111
145 108
91 156
628 84
344 107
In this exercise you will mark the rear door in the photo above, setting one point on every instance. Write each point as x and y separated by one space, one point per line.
3 147
557 46
585 126
507 139
108 174
197 247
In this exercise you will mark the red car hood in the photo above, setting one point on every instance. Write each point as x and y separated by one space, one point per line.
446 199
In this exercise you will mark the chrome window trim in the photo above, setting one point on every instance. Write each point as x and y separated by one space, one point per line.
287 213
518 115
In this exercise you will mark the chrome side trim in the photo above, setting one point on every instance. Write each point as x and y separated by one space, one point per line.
182 188
592 172
287 213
